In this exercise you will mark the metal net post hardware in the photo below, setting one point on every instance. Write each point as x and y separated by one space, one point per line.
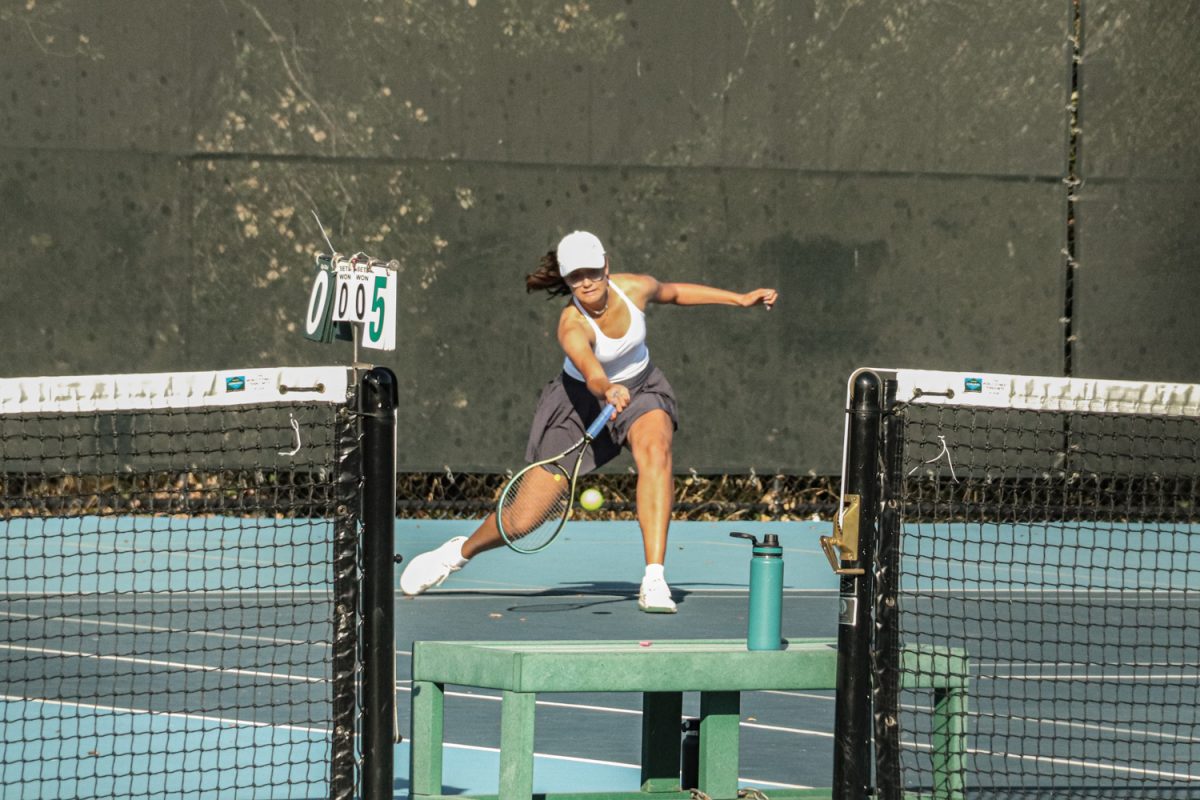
1042 534
179 562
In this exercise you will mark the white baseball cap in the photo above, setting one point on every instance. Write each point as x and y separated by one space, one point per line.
579 250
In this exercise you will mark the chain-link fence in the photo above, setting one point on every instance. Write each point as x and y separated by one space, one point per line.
449 495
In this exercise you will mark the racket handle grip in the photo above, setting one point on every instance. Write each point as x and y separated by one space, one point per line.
599 422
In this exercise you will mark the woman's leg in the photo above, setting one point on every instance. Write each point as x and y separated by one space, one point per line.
650 440
486 537
430 568
539 489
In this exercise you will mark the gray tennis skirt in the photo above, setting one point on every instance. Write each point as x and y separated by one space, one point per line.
565 408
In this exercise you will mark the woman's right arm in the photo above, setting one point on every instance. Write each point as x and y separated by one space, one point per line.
575 339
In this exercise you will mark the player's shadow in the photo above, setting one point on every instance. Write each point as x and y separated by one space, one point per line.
588 595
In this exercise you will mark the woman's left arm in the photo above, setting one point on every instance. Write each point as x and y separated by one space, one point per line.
695 294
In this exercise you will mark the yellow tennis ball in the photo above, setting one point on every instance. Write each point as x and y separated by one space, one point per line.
591 499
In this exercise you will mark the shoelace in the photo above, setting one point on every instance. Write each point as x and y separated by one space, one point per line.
654 586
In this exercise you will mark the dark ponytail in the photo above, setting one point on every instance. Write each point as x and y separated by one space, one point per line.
546 278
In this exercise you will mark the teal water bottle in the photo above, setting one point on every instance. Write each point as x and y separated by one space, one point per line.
763 630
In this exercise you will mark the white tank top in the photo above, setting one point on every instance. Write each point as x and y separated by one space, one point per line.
623 358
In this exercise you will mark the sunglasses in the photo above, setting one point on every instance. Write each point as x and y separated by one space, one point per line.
580 275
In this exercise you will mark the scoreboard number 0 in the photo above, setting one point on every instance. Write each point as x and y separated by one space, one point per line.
352 289
318 321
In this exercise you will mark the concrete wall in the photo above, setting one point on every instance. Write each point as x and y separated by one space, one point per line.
894 167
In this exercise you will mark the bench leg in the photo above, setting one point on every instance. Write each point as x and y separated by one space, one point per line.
516 745
949 740
662 713
720 714
425 738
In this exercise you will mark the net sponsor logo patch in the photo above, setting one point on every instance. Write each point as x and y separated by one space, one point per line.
236 383
973 385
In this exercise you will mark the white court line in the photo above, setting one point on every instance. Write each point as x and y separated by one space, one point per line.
1098 765
166 594
1069 762
177 561
159 629
576 759
801 695
1147 734
494 698
621 764
996 665
46 651
918 746
1091 675
444 595
325 732
1058 723
783 729
576 706
527 591
1157 594
400 687
172 714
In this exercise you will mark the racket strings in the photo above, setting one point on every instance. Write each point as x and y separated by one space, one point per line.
534 506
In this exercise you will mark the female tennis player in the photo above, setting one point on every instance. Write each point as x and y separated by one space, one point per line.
602 331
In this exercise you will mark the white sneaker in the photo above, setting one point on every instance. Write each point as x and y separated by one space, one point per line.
655 597
430 569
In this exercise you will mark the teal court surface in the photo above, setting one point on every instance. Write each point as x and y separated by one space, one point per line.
134 661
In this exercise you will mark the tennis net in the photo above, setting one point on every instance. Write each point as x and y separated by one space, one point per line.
179 571
1048 528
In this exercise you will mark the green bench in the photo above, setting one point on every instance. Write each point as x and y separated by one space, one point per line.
720 670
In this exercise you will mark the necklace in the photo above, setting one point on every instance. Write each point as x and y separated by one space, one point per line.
600 313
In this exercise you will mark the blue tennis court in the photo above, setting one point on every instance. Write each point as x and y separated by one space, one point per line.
139 660
137 651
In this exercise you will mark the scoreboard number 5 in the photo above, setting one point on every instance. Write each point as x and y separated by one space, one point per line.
379 328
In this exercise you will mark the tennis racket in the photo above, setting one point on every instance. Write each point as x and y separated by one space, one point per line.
537 501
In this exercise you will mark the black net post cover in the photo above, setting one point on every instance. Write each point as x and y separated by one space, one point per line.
1046 529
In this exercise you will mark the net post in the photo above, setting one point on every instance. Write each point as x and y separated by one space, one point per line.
343 775
379 727
885 569
852 711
